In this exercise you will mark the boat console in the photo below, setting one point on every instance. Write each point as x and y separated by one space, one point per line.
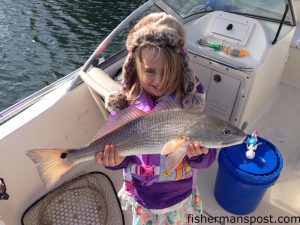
235 60
229 30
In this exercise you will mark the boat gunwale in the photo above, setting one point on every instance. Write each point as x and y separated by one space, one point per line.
25 103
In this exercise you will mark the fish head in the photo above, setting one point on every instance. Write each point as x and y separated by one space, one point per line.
212 132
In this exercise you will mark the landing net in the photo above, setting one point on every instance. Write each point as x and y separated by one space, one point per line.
88 199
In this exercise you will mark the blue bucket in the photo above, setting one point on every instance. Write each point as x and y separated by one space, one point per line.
241 183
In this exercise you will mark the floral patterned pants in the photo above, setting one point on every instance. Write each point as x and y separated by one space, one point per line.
143 216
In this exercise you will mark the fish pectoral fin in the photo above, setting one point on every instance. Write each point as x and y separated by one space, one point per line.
173 146
174 159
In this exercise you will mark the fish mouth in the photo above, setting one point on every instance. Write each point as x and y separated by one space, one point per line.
235 142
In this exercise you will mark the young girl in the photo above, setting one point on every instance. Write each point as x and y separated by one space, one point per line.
157 66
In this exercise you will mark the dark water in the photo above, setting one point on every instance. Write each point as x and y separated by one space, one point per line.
43 40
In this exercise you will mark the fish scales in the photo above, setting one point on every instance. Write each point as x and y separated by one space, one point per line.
148 133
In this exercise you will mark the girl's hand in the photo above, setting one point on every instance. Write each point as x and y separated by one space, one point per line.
110 156
195 150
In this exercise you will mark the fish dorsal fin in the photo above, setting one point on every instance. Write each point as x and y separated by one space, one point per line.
166 103
119 119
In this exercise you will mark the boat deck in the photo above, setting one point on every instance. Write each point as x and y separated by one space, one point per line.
280 125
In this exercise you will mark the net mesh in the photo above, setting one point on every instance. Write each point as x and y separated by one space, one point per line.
88 199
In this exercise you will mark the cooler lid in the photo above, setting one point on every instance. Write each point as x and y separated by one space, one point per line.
267 158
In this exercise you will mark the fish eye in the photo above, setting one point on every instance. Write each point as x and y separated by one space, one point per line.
227 132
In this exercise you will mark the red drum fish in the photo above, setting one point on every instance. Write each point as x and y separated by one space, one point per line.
132 131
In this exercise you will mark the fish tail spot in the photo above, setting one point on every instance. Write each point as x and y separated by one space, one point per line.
63 155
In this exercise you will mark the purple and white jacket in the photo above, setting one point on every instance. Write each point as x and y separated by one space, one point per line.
145 176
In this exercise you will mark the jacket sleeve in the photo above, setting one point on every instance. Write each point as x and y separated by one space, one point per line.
202 161
122 165
200 88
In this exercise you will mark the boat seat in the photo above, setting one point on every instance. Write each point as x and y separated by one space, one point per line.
88 199
100 85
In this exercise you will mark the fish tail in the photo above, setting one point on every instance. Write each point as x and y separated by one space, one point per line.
52 164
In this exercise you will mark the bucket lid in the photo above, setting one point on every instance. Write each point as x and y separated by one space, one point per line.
267 160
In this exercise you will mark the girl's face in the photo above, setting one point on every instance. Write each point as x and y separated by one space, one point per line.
151 73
